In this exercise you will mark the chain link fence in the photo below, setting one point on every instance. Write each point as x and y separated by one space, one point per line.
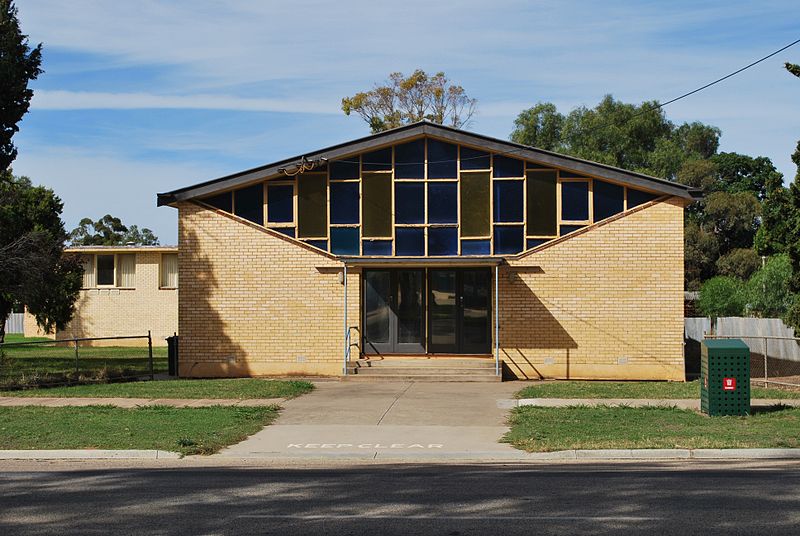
47 363
771 363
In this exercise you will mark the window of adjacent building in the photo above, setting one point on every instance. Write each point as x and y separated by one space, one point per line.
312 205
105 270
89 274
126 270
248 203
169 270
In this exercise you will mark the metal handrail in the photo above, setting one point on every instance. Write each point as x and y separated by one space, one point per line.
78 339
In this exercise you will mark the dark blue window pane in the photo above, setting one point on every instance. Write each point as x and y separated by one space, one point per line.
575 200
505 166
442 241
409 160
442 160
409 202
410 241
288 231
536 242
476 247
377 247
380 160
508 239
344 202
280 203
637 197
508 201
345 169
221 201
571 175
344 240
566 229
321 244
474 159
442 202
608 199
248 203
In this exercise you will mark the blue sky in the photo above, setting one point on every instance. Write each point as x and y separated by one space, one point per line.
147 96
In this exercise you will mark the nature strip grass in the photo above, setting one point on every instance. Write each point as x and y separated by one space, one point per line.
537 429
238 388
185 430
608 389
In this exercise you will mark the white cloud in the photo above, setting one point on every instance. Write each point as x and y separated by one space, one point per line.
92 100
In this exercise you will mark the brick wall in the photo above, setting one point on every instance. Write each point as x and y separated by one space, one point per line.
605 304
113 312
254 303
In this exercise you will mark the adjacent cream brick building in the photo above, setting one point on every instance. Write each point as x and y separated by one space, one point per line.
427 241
127 290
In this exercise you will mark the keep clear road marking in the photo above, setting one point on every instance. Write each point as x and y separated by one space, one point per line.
314 517
369 446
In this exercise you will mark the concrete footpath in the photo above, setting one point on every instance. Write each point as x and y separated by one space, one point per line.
682 403
390 420
54 402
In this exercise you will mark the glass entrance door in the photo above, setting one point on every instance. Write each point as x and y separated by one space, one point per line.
459 313
394 312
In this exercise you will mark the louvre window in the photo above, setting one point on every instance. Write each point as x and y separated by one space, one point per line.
475 204
542 202
312 206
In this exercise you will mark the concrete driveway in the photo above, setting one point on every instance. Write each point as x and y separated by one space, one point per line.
388 420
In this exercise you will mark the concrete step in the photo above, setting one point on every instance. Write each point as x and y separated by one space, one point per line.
424 363
422 378
421 371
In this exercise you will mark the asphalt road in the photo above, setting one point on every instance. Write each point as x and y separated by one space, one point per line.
454 500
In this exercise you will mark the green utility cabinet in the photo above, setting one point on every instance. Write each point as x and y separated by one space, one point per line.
724 377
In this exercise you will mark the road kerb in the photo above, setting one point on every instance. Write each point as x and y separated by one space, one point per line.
87 454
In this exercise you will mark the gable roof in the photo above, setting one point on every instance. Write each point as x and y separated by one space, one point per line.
454 135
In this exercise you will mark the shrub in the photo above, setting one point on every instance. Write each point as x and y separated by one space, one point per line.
722 296
768 294
740 263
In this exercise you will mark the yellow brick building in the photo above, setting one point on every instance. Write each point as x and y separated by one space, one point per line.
126 291
427 241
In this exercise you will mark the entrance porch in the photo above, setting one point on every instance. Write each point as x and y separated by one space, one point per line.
437 315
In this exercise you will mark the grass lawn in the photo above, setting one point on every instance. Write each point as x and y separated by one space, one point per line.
547 429
223 388
185 430
52 359
594 389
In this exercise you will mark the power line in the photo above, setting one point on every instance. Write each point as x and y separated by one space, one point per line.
637 114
